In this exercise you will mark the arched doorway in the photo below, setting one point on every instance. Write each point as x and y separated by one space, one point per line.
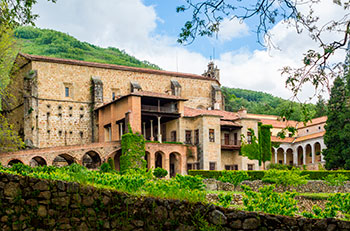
147 158
290 156
174 164
14 161
308 152
159 160
317 148
91 160
37 161
116 159
300 157
63 160
280 156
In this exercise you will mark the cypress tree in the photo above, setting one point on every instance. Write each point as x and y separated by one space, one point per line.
335 137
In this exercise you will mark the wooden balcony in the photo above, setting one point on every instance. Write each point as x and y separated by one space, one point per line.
163 109
230 144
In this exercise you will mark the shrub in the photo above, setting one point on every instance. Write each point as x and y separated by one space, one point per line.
160 172
106 167
279 167
285 178
337 180
268 201
189 182
225 200
233 177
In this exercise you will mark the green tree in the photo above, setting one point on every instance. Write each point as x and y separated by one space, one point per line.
321 107
259 148
337 153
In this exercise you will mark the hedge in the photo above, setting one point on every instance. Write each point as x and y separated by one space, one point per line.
258 175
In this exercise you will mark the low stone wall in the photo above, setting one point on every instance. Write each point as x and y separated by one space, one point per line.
313 186
34 204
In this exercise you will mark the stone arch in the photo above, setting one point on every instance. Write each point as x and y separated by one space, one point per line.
280 156
174 164
300 152
159 159
290 156
91 160
201 107
116 159
308 154
63 160
14 161
148 159
37 161
317 150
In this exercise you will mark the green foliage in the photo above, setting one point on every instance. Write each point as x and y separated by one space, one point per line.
189 182
225 200
106 167
279 166
336 180
259 148
233 177
111 163
9 139
160 172
133 152
60 45
337 136
263 103
268 201
285 178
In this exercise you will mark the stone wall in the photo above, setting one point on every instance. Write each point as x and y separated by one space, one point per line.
33 204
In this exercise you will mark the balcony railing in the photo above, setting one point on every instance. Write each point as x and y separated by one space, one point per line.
230 144
152 108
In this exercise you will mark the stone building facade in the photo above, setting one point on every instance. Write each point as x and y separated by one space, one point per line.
69 103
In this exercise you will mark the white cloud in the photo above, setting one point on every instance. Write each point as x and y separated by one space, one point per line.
233 28
130 25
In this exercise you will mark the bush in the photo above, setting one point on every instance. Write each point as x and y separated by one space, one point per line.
160 172
233 177
106 167
253 175
189 182
285 178
268 201
279 167
225 200
337 180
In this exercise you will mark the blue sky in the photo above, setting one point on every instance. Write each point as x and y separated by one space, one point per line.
148 29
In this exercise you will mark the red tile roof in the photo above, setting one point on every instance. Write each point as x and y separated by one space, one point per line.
226 115
279 140
229 123
113 66
311 136
314 121
279 123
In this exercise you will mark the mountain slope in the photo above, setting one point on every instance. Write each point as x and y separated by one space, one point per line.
53 43
263 103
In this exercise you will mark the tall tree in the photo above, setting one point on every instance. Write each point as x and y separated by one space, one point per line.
336 154
259 148
321 107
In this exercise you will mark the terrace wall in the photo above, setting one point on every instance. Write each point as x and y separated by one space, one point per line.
34 204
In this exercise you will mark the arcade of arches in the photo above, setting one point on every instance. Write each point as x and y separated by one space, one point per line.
172 157
299 154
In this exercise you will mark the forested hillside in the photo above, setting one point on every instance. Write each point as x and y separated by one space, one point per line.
263 103
60 45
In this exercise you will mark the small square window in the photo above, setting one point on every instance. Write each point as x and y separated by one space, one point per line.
60 133
66 91
212 166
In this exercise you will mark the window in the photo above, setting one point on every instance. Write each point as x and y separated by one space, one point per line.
66 91
188 138
211 135
173 136
113 95
319 127
108 132
249 137
231 167
250 167
280 162
235 138
307 130
196 136
212 166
